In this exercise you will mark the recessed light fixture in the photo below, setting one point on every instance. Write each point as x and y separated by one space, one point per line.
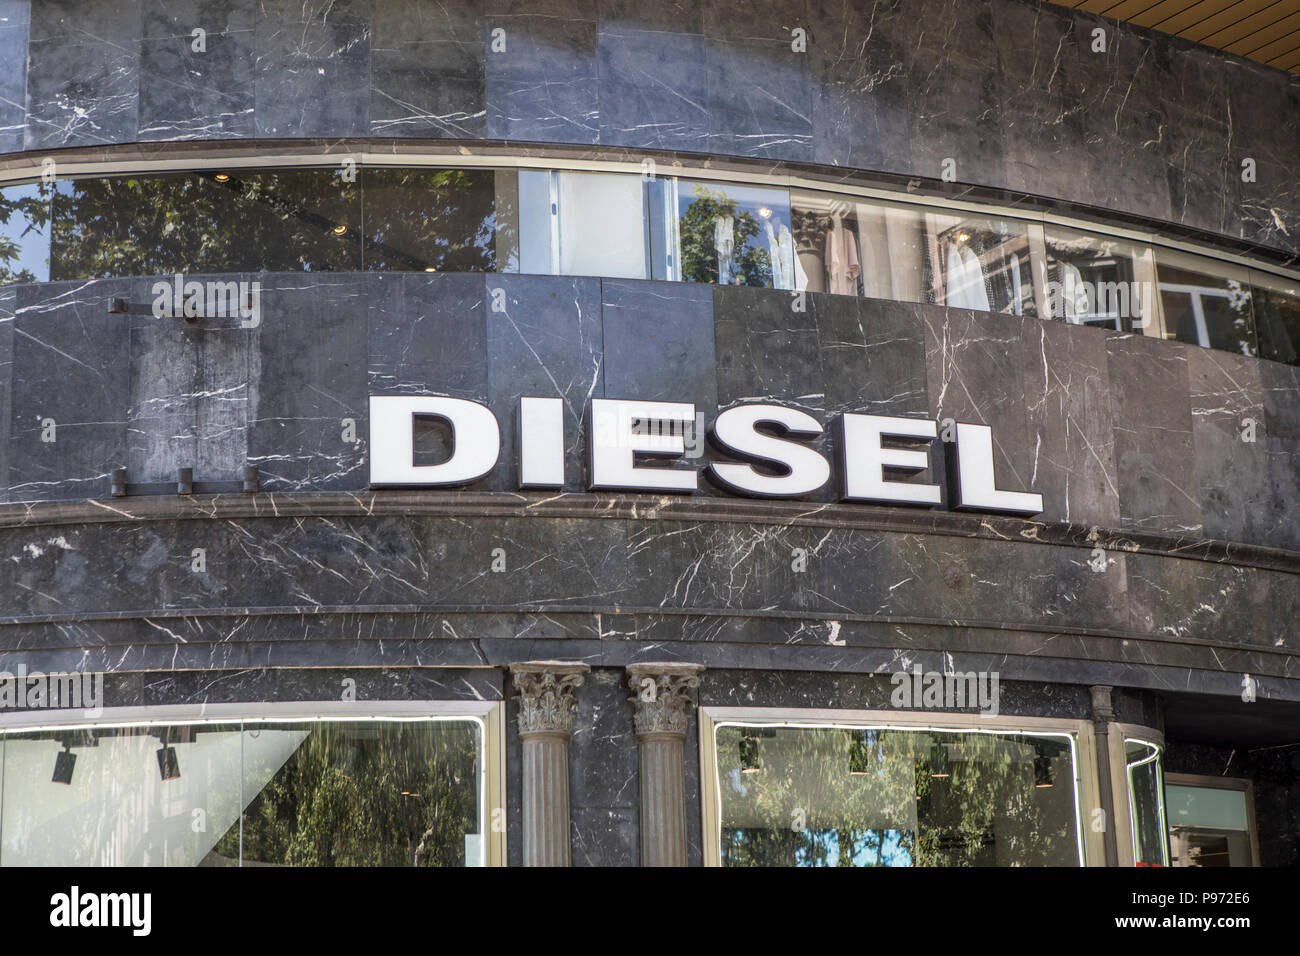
964 237
340 229
765 212
221 178
430 268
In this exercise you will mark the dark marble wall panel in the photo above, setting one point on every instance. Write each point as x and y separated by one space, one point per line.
1228 429
1130 142
954 91
1152 423
71 365
544 340
15 18
858 54
205 93
659 342
1264 106
759 86
604 789
428 335
872 355
1067 396
544 84
1281 399
82 73
976 365
312 67
767 349
307 372
427 70
1044 52
652 92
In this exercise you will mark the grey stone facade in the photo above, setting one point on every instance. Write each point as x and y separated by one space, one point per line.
1167 559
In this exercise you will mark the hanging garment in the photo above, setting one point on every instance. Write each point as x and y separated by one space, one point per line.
842 266
780 245
724 242
965 281
1016 289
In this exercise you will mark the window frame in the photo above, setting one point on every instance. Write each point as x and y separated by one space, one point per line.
490 715
1241 784
1091 846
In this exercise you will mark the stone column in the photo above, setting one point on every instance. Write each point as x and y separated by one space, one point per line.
1103 714
664 696
546 704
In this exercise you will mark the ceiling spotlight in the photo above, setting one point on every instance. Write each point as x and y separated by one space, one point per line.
964 237
64 762
340 229
430 268
749 762
765 212
221 178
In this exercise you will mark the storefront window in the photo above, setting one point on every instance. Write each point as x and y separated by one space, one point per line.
867 249
873 796
980 264
291 793
1099 281
734 235
1206 303
433 220
1277 317
1145 804
1210 821
635 226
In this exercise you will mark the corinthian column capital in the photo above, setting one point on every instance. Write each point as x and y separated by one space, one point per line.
547 695
663 696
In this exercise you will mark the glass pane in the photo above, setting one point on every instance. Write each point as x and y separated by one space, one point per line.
1096 280
1206 807
1277 316
1142 762
735 235
435 220
824 796
25 233
121 796
374 793
865 249
393 793
1205 302
538 234
279 221
602 225
981 264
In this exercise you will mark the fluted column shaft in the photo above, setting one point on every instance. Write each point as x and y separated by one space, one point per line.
664 697
547 700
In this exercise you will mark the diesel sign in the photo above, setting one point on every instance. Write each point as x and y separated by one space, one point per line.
762 451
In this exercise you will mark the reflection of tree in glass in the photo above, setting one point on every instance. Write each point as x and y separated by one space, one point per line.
833 797
22 221
442 219
751 264
378 795
297 220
